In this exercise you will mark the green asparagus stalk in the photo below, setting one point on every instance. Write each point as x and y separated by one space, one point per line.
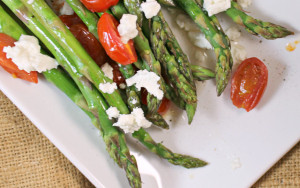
254 26
87 16
202 74
81 59
185 89
114 139
217 38
144 50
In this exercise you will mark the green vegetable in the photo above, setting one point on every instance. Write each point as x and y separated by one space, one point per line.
217 39
254 26
113 138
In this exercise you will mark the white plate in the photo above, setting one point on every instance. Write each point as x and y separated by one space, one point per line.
220 133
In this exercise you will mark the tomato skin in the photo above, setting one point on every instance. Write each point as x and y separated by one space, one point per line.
70 20
164 106
249 83
99 5
111 41
9 66
90 43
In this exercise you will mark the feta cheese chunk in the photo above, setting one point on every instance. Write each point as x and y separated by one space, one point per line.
238 51
127 28
108 70
198 39
133 122
66 9
233 33
113 112
147 80
108 87
216 6
26 55
244 3
150 8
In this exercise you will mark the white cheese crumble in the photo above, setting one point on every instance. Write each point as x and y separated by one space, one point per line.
244 3
233 33
122 86
30 1
198 39
238 51
108 87
108 70
216 6
127 28
133 122
113 112
147 80
66 9
150 8
236 163
26 55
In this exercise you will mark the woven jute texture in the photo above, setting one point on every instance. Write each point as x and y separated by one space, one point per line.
28 159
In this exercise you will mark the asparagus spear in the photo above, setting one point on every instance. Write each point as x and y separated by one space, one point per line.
185 90
114 139
81 60
217 38
254 26
201 73
143 48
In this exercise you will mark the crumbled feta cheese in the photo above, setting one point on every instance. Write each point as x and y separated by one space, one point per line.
108 87
233 33
113 112
147 80
150 8
198 39
236 163
134 101
186 23
127 28
238 51
26 55
132 122
30 1
244 3
216 6
122 86
108 70
66 9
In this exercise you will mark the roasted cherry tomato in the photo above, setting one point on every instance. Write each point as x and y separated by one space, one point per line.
164 106
111 41
70 20
118 77
90 43
99 5
249 83
9 66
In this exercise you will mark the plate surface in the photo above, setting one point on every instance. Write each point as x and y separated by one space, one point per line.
220 134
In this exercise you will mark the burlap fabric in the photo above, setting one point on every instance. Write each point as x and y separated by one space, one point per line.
28 159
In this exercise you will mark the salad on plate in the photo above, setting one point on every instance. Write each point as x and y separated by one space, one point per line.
120 62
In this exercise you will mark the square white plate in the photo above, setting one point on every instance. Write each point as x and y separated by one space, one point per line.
220 134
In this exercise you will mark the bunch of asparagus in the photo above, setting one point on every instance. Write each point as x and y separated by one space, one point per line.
82 75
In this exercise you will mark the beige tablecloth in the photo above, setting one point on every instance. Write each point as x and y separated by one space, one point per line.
29 159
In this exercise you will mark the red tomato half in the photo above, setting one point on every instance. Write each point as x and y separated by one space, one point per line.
249 83
111 41
99 5
9 66
164 106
